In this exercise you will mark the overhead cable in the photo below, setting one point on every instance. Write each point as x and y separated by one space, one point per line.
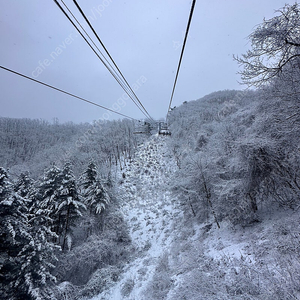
111 72
182 51
112 68
115 76
67 93
107 52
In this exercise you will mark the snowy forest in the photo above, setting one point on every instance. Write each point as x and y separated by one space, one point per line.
210 212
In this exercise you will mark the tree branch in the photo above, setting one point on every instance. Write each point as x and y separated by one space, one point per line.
292 43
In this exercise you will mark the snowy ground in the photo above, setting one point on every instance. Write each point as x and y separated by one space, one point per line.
151 213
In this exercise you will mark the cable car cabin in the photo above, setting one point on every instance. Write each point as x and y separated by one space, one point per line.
163 129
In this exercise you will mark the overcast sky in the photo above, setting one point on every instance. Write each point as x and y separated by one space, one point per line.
144 38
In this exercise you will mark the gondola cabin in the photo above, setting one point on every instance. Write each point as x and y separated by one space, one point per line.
163 129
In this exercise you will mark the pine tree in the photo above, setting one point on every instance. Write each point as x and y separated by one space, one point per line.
26 255
70 204
24 185
89 176
93 191
14 232
48 197
37 257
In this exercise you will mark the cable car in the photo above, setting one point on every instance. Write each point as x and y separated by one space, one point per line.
163 128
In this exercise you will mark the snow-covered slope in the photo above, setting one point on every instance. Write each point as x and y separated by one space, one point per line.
178 258
151 213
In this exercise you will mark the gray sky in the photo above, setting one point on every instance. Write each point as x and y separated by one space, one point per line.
144 38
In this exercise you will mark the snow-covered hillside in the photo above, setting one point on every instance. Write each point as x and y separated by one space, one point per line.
179 258
151 213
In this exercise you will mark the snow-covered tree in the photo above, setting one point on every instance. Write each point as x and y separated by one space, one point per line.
5 185
27 252
48 197
89 176
275 47
48 188
60 201
37 258
24 185
70 205
93 191
14 232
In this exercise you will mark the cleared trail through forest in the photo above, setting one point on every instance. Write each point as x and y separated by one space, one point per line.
151 214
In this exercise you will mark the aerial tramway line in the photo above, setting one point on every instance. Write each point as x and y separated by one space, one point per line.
143 128
163 126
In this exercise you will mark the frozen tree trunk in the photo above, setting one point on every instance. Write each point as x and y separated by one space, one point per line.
253 203
208 197
192 207
66 227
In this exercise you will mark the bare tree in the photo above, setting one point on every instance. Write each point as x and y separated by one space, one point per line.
275 46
